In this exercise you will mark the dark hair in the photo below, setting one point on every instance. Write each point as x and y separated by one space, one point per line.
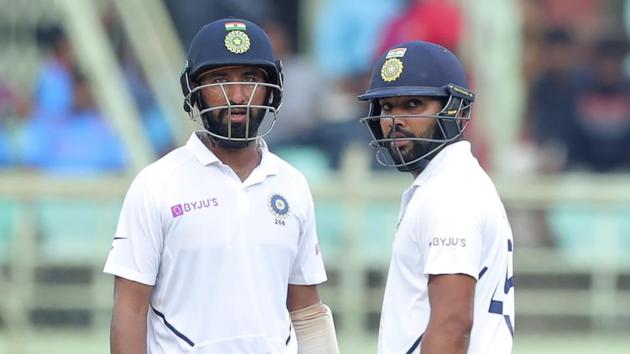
558 36
50 37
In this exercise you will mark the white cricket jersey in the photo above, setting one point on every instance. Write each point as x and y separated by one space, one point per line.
219 252
451 221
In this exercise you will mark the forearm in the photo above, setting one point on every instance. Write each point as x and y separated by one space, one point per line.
445 339
128 333
315 330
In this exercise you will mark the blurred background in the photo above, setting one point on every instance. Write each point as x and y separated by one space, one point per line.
89 94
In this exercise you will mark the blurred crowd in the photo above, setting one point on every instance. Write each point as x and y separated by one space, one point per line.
56 126
578 72
575 64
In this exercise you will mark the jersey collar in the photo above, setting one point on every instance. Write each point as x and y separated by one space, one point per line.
268 165
452 153
200 151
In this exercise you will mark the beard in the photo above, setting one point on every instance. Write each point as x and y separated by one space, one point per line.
219 123
413 151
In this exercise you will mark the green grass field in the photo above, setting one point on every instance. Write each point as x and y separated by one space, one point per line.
67 343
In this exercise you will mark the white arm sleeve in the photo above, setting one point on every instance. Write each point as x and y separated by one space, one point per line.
452 230
315 330
137 244
308 267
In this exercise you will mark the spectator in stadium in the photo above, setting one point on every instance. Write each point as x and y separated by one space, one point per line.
301 98
345 37
66 133
76 140
554 96
424 20
600 139
54 86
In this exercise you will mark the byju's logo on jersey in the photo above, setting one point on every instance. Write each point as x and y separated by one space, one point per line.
180 209
447 242
279 208
177 210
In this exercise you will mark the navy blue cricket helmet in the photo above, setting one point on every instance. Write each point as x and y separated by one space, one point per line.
418 68
226 43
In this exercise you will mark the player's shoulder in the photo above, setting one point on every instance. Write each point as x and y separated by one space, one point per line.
157 172
288 171
462 172
461 181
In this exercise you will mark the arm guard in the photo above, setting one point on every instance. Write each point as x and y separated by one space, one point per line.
315 330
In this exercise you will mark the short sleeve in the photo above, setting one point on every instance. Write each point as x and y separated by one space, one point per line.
308 267
451 238
137 244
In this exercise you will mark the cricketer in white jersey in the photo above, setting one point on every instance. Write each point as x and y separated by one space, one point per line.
450 287
450 227
216 249
219 253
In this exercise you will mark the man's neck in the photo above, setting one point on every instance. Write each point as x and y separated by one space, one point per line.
242 161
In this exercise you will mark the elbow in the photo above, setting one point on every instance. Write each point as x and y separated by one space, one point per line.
461 323
457 325
463 328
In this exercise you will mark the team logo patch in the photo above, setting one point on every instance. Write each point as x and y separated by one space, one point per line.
391 70
279 206
237 42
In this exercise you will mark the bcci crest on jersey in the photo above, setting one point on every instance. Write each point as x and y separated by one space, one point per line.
279 208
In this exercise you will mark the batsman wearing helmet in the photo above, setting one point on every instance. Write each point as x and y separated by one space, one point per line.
216 249
449 288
